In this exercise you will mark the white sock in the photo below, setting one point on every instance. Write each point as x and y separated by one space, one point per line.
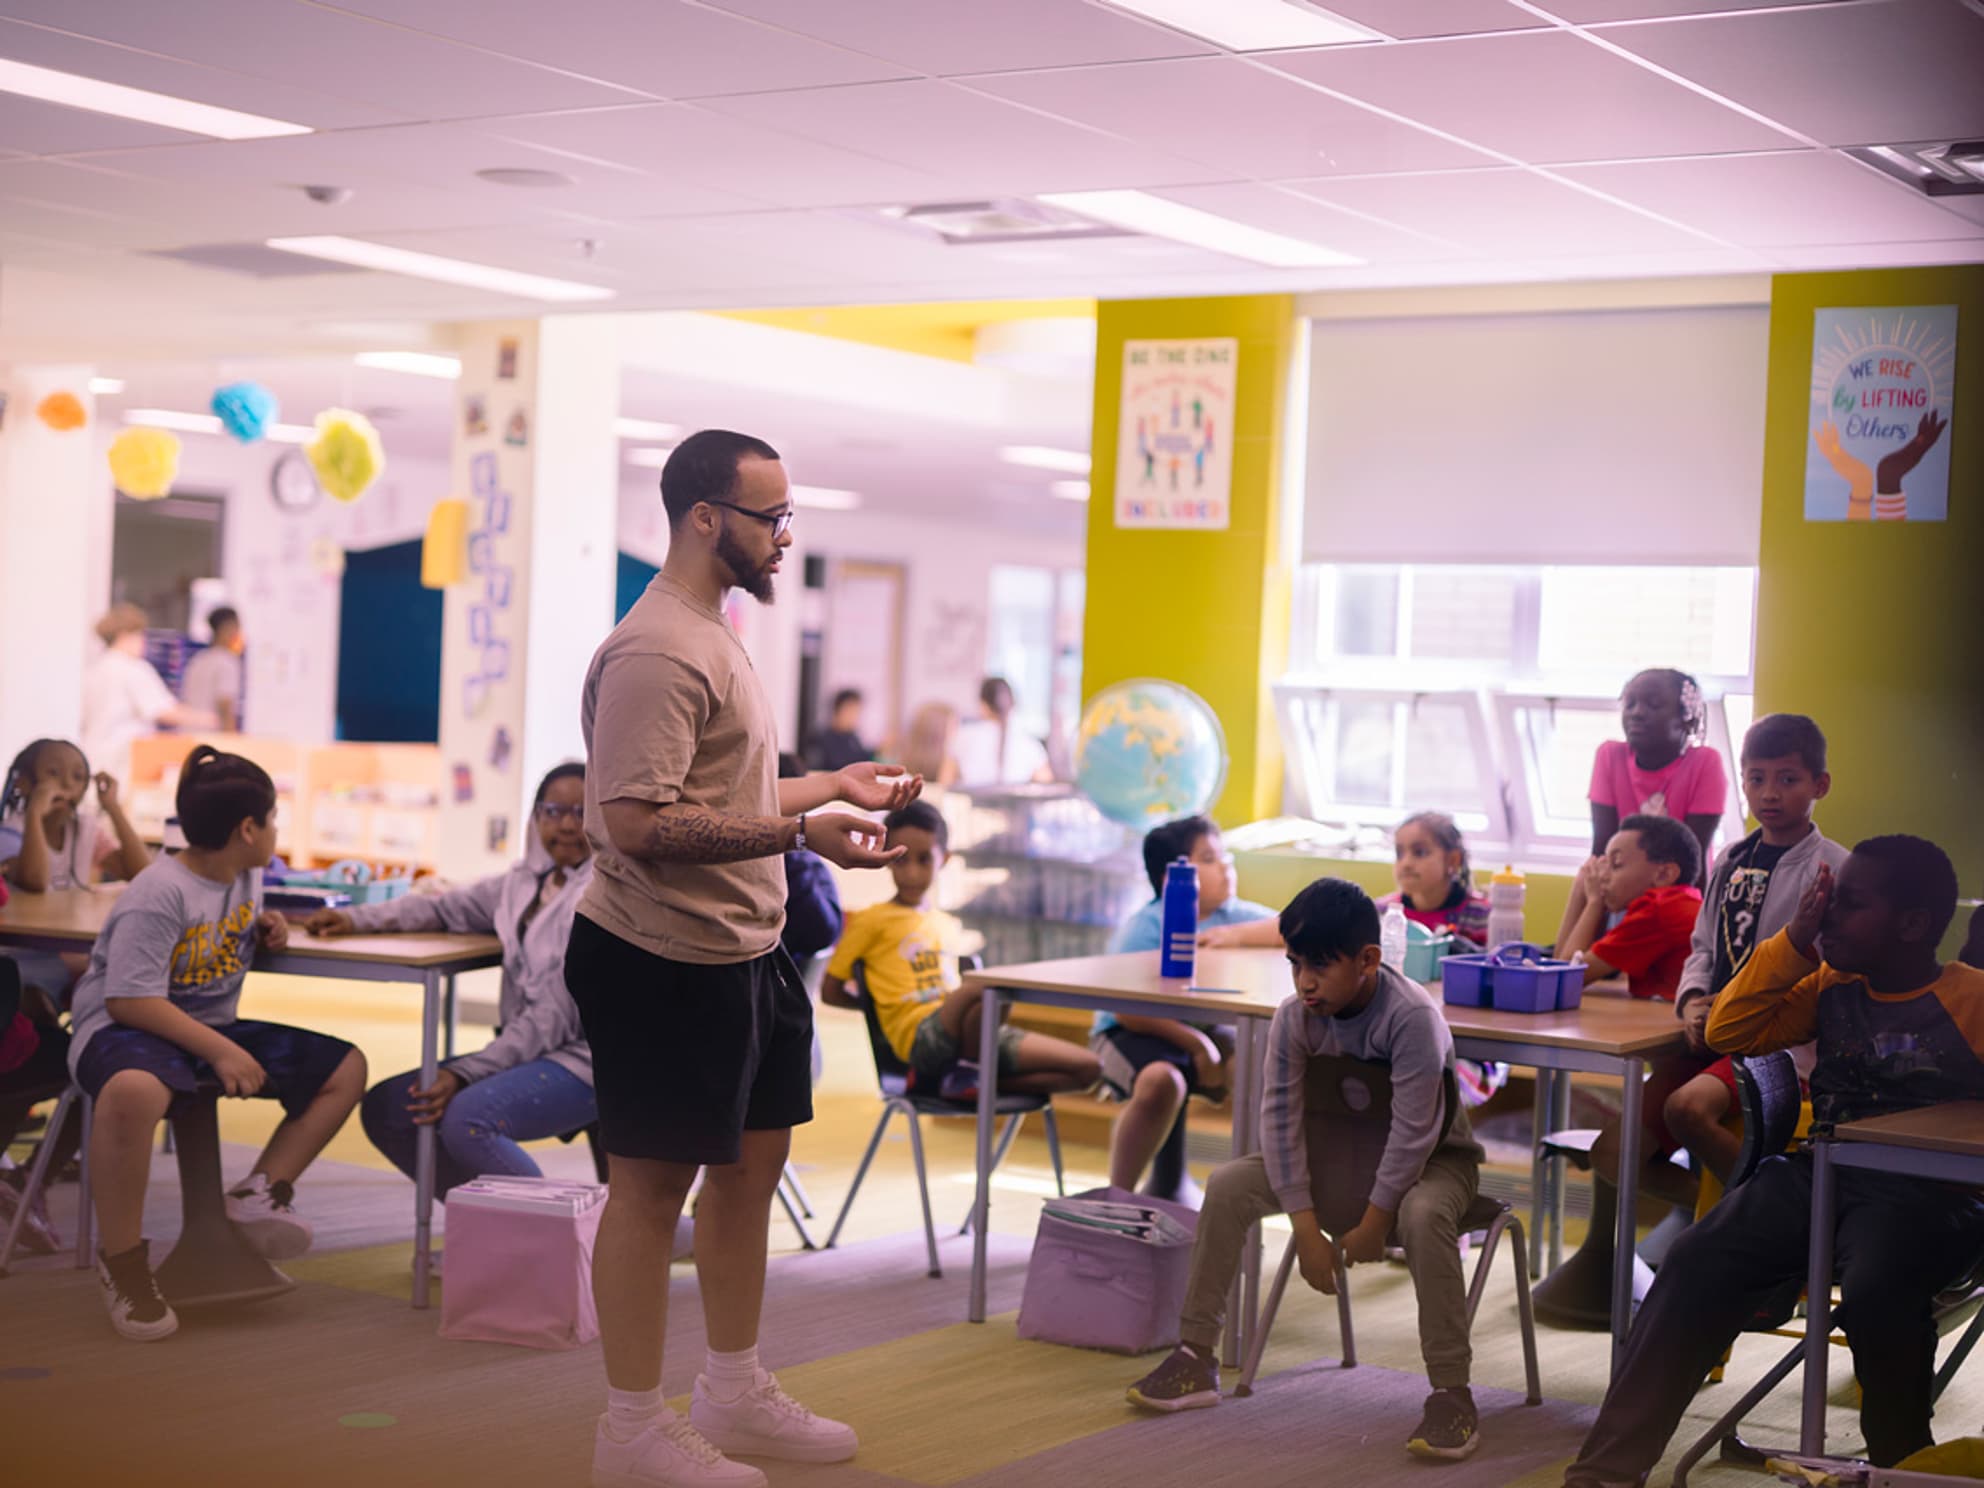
630 1412
731 1376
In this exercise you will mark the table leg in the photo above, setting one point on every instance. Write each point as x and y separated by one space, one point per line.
1560 1118
1627 1235
1818 1303
990 1014
453 1024
1539 1170
1244 1306
423 1144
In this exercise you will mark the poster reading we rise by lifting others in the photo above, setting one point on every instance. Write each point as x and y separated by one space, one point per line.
1883 387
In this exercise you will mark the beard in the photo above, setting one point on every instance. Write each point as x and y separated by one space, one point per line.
754 579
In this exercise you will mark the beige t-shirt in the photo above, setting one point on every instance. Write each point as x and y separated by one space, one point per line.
673 711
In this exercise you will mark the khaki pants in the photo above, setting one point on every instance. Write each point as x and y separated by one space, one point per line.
1428 1226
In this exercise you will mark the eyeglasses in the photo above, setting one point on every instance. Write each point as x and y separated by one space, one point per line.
552 812
780 521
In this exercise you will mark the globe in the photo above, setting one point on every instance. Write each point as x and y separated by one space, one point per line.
1148 752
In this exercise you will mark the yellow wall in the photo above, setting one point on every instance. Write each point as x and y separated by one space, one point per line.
1877 629
1205 609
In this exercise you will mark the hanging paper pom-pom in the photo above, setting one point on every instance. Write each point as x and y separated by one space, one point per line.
345 454
143 462
62 411
245 410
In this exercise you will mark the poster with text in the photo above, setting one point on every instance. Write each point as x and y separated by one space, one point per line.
1883 387
1174 443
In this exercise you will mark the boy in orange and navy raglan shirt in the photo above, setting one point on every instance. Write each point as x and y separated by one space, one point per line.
1896 1031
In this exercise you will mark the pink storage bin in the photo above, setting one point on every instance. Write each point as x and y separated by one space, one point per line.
1092 1288
519 1262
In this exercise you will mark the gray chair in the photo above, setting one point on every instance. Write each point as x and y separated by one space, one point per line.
892 1075
1347 1107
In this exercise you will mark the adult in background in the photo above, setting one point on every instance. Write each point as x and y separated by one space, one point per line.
700 1029
839 744
212 681
124 697
992 749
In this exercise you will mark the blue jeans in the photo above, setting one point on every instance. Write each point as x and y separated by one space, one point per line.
480 1130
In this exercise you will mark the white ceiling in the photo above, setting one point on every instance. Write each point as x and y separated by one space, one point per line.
730 152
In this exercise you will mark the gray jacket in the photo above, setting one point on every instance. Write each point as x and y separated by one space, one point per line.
1788 882
537 1015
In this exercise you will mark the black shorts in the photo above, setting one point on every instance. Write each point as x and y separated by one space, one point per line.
297 1060
1124 1053
686 1058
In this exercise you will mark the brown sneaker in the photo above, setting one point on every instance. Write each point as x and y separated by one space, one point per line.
1186 1380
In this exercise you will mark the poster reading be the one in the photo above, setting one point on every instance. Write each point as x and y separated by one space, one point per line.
1883 387
1174 442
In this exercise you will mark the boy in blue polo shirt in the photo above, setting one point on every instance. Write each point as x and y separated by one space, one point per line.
1155 1063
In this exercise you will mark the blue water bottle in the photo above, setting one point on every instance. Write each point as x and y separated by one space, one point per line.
1181 920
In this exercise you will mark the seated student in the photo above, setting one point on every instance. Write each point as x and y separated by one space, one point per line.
49 838
1346 1002
1895 1031
1664 767
34 1065
534 1079
157 1013
907 951
839 744
1155 1063
813 917
1751 895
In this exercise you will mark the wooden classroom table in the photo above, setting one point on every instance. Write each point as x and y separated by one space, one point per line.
1608 1033
68 920
1939 1144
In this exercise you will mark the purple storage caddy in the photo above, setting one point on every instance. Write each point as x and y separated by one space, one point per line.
1513 978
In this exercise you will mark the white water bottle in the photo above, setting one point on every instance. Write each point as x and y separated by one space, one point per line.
1392 935
1505 895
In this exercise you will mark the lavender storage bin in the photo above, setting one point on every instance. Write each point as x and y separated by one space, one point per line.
1093 1288
1513 978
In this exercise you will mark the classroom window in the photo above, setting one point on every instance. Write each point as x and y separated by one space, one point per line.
1484 690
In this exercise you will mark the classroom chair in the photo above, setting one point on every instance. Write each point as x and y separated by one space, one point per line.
1775 1115
892 1076
39 1176
212 1261
1578 1294
1347 1106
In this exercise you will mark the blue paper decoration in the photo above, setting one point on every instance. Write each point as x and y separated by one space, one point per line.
245 410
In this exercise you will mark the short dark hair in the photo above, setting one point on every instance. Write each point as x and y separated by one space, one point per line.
225 615
703 467
1780 735
570 770
845 696
217 793
1331 919
1917 874
923 817
1664 840
1165 844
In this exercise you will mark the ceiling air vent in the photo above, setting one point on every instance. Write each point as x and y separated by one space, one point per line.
1939 169
997 220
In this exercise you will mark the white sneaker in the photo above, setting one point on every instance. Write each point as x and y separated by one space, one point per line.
131 1296
668 1454
767 1422
262 1210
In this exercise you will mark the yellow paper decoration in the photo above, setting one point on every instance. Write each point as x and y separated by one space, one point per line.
327 558
61 411
144 462
444 551
345 454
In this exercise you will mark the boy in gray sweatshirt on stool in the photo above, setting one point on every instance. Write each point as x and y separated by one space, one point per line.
1346 1002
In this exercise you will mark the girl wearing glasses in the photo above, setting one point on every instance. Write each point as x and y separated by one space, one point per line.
535 1078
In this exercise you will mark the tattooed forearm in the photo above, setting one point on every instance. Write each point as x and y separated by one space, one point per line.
695 834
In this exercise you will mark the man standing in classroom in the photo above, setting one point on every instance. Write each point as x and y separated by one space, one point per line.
701 1031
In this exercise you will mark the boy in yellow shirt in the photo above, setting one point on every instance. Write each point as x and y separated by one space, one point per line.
908 952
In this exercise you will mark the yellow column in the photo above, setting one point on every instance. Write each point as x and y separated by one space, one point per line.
1208 610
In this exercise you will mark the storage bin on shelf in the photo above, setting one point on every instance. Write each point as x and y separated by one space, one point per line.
1425 950
1512 978
354 879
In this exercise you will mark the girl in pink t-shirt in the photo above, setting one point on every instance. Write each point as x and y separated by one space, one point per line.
1662 767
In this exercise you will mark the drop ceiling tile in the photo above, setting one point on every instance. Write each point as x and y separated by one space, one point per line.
1502 213
971 142
30 127
1235 115
1888 255
85 57
700 150
1435 17
1768 201
1312 221
1865 74
1539 96
953 37
309 47
659 47
1591 12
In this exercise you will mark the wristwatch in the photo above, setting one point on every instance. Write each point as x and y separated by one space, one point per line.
799 837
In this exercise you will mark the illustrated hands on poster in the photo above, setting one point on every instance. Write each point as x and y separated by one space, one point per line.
1897 463
1851 469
